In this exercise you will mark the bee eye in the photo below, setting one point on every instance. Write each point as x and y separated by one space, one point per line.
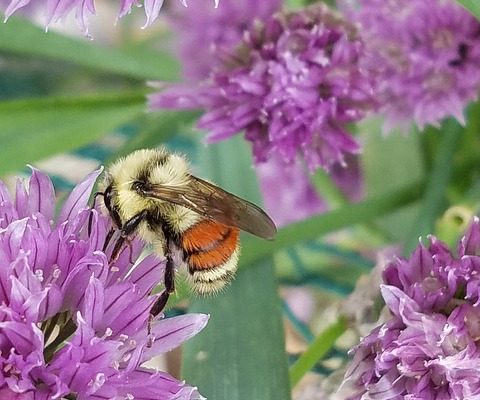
139 187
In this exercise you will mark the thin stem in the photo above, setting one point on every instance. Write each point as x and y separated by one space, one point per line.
433 203
327 189
299 326
320 346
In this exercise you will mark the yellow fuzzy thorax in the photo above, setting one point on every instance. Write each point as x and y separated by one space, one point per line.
161 167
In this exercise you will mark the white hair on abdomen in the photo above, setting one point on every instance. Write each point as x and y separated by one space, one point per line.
210 281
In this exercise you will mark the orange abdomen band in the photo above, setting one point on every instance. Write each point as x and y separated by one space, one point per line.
209 244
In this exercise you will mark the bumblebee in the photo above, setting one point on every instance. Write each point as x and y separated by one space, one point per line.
152 194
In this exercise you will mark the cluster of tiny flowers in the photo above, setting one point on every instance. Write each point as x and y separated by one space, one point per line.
205 33
73 324
56 10
425 56
428 348
293 85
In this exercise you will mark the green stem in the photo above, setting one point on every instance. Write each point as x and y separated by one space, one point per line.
433 203
320 346
327 189
300 326
361 212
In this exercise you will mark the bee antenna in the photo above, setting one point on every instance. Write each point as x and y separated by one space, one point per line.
128 183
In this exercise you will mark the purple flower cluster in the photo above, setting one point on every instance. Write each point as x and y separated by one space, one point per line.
293 85
71 324
205 33
424 54
429 348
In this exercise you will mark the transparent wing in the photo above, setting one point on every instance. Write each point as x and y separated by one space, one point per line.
215 203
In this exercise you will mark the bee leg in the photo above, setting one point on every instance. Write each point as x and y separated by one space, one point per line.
127 229
90 218
169 282
130 248
161 302
90 222
108 238
117 249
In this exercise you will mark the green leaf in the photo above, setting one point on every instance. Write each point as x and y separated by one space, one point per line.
36 128
471 5
155 129
24 38
240 355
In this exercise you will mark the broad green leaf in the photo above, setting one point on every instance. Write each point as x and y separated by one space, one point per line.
24 38
471 5
36 128
241 354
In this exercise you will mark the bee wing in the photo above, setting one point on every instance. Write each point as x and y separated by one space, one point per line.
215 203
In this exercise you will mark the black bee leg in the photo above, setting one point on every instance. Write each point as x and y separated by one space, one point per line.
127 229
130 248
90 218
169 282
161 302
117 250
108 238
